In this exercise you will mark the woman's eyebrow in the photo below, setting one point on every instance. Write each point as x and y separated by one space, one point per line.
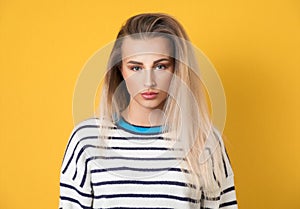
163 59
140 63
135 62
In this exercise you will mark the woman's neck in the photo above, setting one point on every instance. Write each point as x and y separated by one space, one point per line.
138 115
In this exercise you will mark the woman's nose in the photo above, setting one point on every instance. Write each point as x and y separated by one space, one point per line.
149 80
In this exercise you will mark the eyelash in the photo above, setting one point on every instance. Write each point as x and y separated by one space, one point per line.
161 65
133 68
164 66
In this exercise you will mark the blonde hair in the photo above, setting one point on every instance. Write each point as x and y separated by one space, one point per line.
204 162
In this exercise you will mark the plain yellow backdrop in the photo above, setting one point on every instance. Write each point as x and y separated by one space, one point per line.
254 46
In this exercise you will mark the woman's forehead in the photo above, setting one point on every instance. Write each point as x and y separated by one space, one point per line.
159 46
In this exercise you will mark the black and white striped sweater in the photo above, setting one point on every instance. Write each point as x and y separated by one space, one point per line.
136 167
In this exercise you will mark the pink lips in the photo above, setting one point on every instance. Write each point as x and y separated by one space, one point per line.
149 95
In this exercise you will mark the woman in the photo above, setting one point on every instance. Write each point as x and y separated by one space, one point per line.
153 144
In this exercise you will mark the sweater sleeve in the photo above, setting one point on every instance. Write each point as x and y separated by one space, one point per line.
75 187
227 196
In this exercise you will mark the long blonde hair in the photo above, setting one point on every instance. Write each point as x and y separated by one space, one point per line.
204 156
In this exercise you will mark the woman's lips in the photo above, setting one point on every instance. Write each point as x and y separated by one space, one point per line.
149 95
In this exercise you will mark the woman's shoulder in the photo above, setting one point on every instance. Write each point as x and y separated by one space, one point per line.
217 139
225 157
93 122
96 121
85 133
89 128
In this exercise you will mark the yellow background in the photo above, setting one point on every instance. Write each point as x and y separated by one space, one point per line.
254 45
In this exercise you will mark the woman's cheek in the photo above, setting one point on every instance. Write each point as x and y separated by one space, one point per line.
134 84
163 80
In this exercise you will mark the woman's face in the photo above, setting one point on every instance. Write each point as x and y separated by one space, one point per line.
147 68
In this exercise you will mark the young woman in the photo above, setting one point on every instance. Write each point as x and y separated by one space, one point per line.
153 144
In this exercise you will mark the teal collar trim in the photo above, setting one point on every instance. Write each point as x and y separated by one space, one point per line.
123 124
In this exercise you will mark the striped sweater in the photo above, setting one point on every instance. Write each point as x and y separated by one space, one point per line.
133 167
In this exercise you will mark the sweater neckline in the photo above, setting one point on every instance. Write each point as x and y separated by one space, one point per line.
125 125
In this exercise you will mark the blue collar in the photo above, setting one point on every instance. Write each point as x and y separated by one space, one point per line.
123 124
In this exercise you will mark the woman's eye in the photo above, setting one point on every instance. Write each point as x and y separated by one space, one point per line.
160 67
136 68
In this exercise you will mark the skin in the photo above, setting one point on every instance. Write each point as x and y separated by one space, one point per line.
147 66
